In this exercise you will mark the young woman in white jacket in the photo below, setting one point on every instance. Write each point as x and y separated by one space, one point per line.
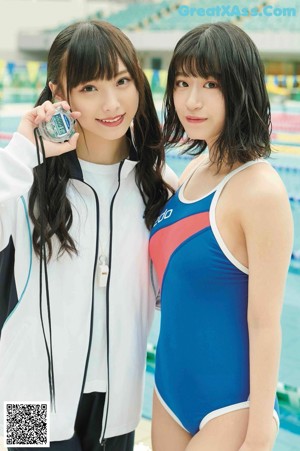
75 287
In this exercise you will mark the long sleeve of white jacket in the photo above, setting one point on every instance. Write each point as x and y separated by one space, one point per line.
17 160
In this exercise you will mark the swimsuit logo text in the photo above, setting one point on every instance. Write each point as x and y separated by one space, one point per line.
165 215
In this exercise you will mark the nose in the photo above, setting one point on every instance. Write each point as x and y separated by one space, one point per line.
110 101
194 99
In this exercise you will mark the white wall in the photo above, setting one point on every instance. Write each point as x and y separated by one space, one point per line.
30 15
16 15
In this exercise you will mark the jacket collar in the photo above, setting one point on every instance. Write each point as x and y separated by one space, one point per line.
76 172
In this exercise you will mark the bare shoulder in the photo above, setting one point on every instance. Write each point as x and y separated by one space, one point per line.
260 183
190 168
260 194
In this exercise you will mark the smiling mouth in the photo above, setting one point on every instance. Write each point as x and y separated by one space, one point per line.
195 120
112 122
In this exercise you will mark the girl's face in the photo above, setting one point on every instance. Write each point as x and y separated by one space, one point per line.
107 106
200 106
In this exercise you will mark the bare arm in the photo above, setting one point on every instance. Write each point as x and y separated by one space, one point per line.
268 228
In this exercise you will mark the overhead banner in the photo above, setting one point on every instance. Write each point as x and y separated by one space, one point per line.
2 69
33 70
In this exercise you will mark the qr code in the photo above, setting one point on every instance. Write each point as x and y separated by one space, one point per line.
26 424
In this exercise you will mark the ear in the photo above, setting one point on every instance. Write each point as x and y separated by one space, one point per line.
56 97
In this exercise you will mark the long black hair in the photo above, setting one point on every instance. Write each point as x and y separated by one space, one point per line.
82 52
225 52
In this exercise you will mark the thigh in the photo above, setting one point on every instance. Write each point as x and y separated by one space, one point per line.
72 444
226 432
120 443
167 434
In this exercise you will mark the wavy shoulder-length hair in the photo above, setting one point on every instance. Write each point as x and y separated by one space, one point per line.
225 52
82 52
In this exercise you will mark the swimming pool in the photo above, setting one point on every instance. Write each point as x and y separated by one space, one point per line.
288 167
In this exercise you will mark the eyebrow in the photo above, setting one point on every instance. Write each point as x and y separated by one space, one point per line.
181 74
125 71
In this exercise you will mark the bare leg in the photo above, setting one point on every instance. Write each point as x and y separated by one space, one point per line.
167 435
226 432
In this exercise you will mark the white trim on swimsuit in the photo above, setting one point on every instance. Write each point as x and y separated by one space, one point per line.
212 215
214 414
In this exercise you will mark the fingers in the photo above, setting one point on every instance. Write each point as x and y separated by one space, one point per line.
44 112
76 114
54 149
73 141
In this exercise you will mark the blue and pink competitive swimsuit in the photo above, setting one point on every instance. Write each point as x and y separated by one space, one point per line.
202 356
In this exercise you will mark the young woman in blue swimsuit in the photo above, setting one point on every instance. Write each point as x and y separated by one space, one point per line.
221 252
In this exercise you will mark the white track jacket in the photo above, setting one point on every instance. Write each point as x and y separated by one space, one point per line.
130 297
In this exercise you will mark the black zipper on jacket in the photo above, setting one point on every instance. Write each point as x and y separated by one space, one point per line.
105 414
102 440
93 291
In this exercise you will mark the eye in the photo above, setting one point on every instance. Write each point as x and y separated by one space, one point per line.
124 81
89 88
211 85
181 84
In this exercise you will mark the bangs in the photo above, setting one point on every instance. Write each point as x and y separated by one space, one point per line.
96 53
198 58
